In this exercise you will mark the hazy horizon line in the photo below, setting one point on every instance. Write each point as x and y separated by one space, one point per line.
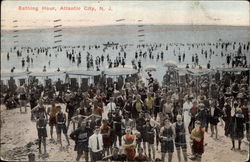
86 26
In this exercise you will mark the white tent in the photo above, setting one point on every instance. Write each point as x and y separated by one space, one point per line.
120 71
150 68
16 73
170 63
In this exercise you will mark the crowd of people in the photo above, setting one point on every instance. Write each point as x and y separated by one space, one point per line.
233 54
130 122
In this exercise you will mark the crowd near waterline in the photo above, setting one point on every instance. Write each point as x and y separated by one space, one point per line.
135 116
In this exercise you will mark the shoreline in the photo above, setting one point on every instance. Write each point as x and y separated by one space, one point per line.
177 27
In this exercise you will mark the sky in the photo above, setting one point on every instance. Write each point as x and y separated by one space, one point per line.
233 13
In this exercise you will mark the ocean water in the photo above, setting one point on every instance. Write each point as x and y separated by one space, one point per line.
123 35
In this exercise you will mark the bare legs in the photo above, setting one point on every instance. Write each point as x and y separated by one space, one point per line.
59 138
184 152
170 155
151 147
107 150
163 157
86 156
51 131
69 124
23 104
214 127
67 138
144 146
42 140
233 143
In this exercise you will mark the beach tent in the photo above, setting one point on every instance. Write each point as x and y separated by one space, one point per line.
134 77
1 83
17 73
120 82
170 63
22 81
12 84
48 82
52 74
236 69
182 74
182 70
19 76
199 72
194 71
120 71
150 68
96 79
110 81
14 74
3 87
74 84
84 84
84 72
47 73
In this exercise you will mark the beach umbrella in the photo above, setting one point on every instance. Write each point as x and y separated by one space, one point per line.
170 63
150 68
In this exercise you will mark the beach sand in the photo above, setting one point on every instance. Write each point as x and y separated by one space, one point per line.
19 134
18 139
